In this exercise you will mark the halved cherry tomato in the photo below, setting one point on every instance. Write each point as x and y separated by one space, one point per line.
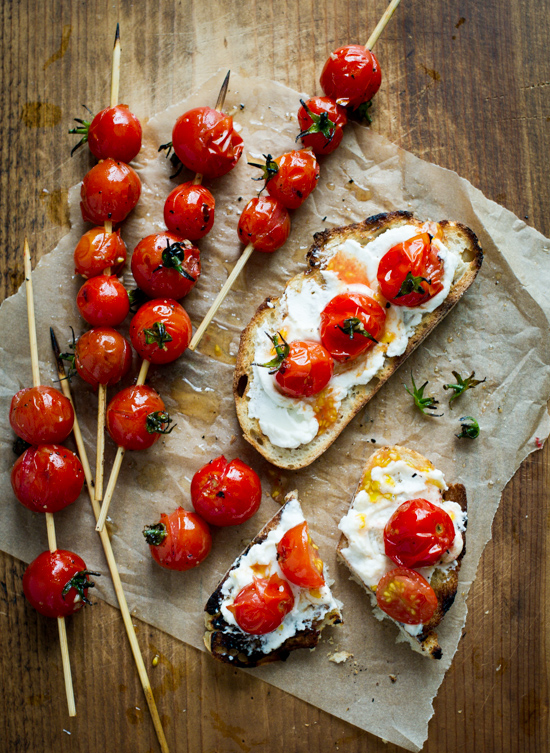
260 607
305 371
180 541
406 596
322 124
47 478
418 534
226 494
166 266
98 250
298 558
189 211
103 301
56 583
136 417
265 223
291 177
351 75
410 273
161 330
205 141
41 415
110 190
115 132
346 323
102 356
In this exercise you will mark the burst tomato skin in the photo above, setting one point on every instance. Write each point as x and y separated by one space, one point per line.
102 356
298 559
205 141
265 223
226 494
98 250
127 413
110 190
342 308
335 113
419 258
296 178
115 132
187 543
305 371
103 301
189 211
418 534
47 478
406 596
45 579
260 607
173 318
158 280
351 75
41 415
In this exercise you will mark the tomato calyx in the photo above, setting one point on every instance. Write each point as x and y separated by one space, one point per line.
412 284
158 423
321 124
173 257
362 113
177 164
81 130
469 428
70 357
80 583
20 446
137 298
282 350
354 326
269 169
423 403
462 384
157 334
155 534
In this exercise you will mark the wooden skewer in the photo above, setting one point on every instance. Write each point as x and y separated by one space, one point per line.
381 25
50 525
197 180
107 548
115 68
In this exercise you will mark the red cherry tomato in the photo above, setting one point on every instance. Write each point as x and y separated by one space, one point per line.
418 534
98 250
103 301
41 415
189 211
298 559
291 177
136 417
180 541
47 478
226 494
305 371
406 596
322 124
410 273
344 322
166 266
115 132
56 583
265 223
161 331
110 191
102 356
260 607
351 75
205 141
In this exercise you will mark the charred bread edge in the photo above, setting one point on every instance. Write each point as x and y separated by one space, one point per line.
360 395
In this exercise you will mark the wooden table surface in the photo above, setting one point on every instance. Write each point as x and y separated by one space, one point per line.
466 85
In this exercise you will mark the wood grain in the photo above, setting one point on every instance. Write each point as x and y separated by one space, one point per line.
466 85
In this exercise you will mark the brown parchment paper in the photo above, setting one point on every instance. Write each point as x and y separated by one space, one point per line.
499 329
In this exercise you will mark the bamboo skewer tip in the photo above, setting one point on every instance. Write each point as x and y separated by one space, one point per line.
381 25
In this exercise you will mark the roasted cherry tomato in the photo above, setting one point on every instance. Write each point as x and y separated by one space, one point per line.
351 75
265 223
47 478
97 251
351 324
102 356
322 124
56 583
166 266
189 211
291 177
226 494
103 301
110 190
161 330
115 132
418 534
41 415
180 541
298 558
305 371
136 417
205 141
410 273
406 596
260 607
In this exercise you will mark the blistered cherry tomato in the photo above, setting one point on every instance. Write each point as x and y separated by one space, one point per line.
189 211
115 132
260 607
347 321
205 141
351 75
226 494
418 534
305 371
166 266
47 478
136 417
322 124
180 541
103 301
291 177
265 223
410 273
406 596
161 330
41 415
298 558
102 356
98 250
56 583
110 190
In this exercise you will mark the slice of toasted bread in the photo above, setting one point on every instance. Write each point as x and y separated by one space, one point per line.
443 580
228 643
267 319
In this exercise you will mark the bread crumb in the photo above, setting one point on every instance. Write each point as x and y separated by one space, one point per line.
393 678
233 439
339 657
